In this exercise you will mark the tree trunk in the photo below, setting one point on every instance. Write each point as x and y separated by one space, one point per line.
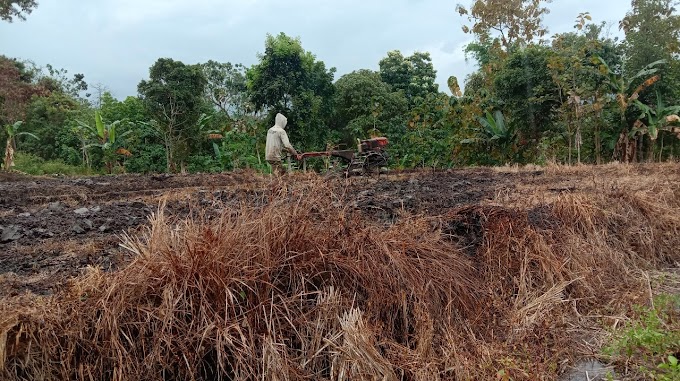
571 137
598 144
661 150
168 154
623 152
640 149
650 152
9 155
578 145
625 148
570 149
86 158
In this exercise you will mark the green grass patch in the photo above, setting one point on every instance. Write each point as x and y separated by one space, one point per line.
34 165
649 345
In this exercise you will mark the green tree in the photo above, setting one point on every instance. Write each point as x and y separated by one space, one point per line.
366 105
16 90
580 83
51 117
48 101
290 80
10 9
652 30
131 109
511 21
413 75
226 88
173 96
427 139
59 80
144 143
526 89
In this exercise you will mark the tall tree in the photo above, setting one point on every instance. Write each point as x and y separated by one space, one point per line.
10 9
51 117
16 91
511 21
414 75
366 104
289 79
173 95
652 30
580 84
226 87
145 144
526 88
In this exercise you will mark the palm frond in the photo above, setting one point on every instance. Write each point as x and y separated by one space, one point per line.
28 134
99 124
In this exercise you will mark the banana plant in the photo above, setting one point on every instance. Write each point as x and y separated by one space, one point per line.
12 133
623 88
108 139
206 132
626 93
494 131
658 119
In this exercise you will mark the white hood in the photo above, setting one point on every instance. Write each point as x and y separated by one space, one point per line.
281 121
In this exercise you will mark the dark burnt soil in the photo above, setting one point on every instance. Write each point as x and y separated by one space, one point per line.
18 190
52 228
430 193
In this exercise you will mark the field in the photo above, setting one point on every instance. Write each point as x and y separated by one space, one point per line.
505 273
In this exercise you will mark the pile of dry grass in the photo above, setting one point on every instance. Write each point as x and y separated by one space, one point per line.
304 288
298 289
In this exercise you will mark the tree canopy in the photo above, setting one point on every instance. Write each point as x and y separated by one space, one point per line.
579 96
16 9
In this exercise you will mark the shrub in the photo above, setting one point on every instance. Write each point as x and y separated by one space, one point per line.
34 165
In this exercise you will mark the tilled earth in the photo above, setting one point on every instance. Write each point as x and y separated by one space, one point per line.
51 228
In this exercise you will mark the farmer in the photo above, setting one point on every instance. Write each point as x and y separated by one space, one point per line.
277 140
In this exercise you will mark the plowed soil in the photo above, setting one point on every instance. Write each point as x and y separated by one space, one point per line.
52 228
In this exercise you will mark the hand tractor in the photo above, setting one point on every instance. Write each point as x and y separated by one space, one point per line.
370 156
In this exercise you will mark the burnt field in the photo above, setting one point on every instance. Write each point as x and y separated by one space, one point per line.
54 227
451 275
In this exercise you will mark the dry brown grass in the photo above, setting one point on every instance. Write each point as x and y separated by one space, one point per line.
305 288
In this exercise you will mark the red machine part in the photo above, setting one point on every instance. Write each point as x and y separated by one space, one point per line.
375 144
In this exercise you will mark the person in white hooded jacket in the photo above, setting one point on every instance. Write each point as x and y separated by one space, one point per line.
277 140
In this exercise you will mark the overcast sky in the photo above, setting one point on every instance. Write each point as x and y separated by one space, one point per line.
114 42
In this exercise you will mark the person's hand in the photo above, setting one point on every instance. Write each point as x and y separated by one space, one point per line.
298 157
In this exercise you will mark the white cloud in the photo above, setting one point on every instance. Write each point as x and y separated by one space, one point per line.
138 12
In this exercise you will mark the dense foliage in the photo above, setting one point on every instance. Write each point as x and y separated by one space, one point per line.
573 97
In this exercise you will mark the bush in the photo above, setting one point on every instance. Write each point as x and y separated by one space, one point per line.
204 163
34 165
